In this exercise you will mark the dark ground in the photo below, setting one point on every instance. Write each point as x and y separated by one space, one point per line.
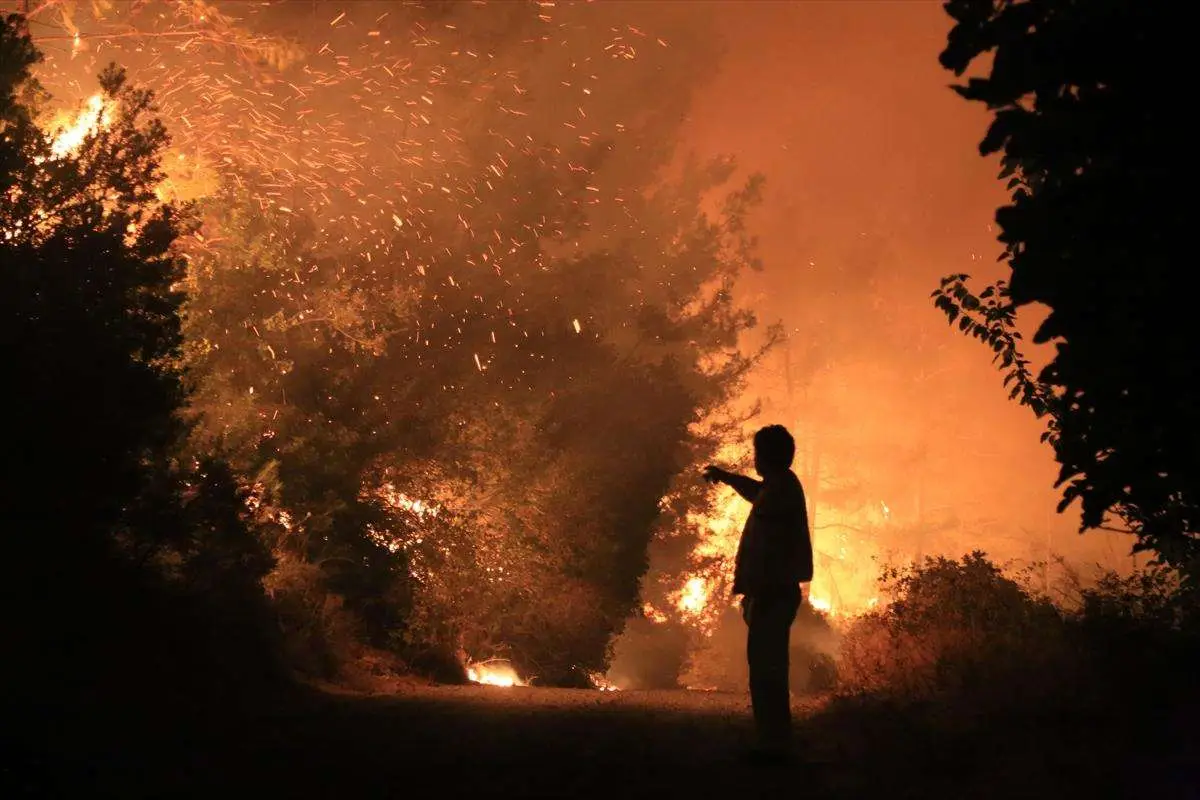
472 741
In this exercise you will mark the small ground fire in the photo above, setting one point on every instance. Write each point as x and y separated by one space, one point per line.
494 673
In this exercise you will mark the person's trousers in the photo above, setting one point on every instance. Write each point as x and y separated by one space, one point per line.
770 622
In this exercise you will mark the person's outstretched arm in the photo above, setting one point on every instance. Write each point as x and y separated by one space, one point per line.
746 486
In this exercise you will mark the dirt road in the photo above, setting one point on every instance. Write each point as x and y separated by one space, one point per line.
489 742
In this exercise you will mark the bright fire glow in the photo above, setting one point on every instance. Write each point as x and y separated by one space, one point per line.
844 583
602 683
183 178
694 597
820 603
96 114
654 615
494 673
421 509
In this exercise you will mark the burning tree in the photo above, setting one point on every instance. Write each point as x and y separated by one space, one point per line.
471 383
545 465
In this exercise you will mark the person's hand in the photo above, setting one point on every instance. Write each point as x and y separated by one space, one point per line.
714 474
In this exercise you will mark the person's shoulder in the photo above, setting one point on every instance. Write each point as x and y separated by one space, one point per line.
794 490
781 493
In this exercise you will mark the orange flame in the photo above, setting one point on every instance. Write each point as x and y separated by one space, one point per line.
494 673
96 115
183 179
845 579
602 683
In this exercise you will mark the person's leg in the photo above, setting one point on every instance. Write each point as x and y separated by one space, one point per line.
777 723
767 651
757 640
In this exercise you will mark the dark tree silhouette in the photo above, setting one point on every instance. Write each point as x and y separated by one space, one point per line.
128 555
1085 121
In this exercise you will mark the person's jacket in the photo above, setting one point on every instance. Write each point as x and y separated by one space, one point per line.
775 551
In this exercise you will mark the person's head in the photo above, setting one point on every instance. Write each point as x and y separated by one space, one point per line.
774 449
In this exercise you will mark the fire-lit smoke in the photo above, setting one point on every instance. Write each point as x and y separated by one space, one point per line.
907 445
843 585
906 442
846 547
287 98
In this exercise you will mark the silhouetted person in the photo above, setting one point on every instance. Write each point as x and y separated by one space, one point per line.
774 557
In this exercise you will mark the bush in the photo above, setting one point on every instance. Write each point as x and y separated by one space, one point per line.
953 625
1151 599
1140 624
965 633
319 634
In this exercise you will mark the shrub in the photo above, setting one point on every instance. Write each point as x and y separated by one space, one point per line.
1138 625
953 625
319 634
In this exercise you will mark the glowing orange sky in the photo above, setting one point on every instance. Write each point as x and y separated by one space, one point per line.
875 190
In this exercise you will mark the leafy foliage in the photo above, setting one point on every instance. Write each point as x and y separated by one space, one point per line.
524 465
990 317
468 418
987 647
1081 123
953 625
452 419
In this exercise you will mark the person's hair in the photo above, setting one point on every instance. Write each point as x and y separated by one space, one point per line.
775 447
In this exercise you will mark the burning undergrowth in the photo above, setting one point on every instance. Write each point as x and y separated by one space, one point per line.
493 673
